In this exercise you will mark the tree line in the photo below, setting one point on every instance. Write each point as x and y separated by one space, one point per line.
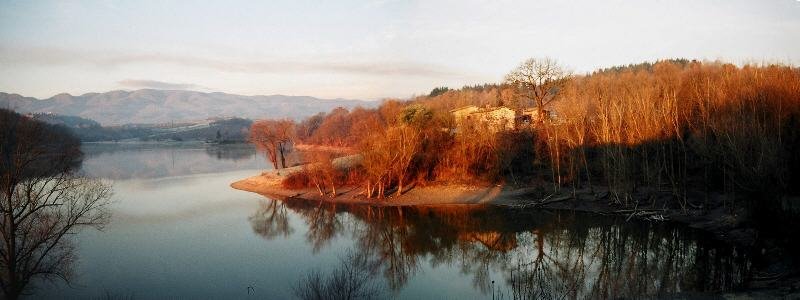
684 129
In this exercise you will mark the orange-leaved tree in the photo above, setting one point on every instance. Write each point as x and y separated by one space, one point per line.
273 137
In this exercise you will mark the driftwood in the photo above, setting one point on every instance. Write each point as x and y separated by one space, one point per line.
543 202
768 276
646 214
559 199
623 211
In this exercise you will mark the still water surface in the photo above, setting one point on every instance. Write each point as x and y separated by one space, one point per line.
179 231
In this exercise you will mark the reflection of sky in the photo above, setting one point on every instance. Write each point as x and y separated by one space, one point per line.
192 236
185 238
120 161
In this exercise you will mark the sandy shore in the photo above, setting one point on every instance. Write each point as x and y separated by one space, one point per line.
653 206
269 184
717 219
726 224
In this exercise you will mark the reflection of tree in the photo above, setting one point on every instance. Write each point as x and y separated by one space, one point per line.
386 245
615 261
537 278
42 201
352 279
231 152
542 255
271 220
323 225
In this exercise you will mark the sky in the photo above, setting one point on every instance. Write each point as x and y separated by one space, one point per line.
365 49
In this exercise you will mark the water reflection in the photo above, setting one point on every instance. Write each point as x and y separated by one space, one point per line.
353 278
157 160
271 220
533 254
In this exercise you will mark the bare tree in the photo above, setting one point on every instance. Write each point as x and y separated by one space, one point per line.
377 162
538 80
273 137
352 279
321 172
405 145
42 201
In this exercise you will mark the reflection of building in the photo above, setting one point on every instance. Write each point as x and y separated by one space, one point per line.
493 240
496 118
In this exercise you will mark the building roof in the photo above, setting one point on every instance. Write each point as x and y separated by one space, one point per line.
496 108
463 107
480 110
533 109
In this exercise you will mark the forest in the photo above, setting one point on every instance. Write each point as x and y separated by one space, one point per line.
690 130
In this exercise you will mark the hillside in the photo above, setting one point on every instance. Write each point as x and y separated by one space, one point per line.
166 106
218 130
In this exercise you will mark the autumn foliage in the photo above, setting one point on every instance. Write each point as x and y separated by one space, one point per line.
688 129
273 137
708 127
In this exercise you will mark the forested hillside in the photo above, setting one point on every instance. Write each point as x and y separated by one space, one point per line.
173 106
680 129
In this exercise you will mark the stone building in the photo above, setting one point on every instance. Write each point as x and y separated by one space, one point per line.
496 118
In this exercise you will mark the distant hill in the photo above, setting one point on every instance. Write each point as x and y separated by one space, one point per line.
66 121
167 106
222 130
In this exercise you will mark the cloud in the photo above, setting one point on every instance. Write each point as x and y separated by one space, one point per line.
158 85
51 56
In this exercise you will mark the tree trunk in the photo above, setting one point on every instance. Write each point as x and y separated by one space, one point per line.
283 158
539 244
13 290
540 111
319 188
399 186
271 157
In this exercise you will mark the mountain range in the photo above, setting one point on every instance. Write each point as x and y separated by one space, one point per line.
148 106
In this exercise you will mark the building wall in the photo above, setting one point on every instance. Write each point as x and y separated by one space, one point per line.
460 114
497 119
534 114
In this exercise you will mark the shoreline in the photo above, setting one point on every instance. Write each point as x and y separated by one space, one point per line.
269 184
724 223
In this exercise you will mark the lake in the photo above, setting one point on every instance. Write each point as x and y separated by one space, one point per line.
179 231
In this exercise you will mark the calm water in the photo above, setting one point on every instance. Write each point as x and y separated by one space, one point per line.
179 231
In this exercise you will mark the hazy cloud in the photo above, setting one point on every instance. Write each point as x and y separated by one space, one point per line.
51 56
159 85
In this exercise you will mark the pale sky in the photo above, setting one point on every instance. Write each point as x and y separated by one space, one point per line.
364 49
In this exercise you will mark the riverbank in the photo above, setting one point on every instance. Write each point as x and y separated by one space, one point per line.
774 276
723 220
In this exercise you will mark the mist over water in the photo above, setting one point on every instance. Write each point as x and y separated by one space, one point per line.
179 231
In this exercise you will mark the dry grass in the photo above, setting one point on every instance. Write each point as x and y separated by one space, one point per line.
673 127
712 126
